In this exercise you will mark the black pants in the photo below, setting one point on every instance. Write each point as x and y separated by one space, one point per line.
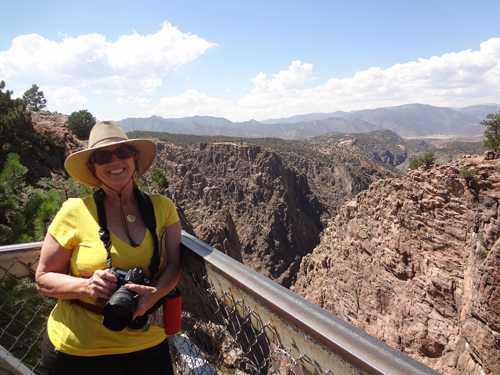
155 360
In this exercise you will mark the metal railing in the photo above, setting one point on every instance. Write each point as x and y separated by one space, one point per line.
235 321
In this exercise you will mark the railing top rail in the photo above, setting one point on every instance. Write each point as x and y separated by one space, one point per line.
21 246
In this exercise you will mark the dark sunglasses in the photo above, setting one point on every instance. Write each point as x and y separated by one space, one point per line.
105 157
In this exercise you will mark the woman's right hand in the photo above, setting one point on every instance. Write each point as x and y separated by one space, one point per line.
52 277
101 285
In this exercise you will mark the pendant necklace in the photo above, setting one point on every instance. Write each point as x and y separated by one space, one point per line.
131 218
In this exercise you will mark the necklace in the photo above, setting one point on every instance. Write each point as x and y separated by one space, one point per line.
131 218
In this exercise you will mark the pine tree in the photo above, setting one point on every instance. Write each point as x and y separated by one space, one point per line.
492 133
16 131
34 99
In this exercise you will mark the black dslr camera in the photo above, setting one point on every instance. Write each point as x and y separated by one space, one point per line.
119 311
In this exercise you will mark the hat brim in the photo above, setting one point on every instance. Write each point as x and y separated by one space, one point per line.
76 164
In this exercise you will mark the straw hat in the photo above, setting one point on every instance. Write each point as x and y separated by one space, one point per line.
103 134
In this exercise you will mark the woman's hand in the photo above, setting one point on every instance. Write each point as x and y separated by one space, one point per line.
101 286
148 296
52 277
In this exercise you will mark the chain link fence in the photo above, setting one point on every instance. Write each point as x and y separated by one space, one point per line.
219 334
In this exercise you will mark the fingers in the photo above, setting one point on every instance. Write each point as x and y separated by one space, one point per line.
101 285
147 297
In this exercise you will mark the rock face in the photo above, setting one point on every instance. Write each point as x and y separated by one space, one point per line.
415 262
260 207
48 156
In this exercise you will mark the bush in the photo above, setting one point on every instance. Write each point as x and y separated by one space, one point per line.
160 179
427 161
482 254
467 174
415 164
81 123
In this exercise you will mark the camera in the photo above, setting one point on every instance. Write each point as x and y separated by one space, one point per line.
119 310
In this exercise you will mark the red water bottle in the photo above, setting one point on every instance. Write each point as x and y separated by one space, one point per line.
172 312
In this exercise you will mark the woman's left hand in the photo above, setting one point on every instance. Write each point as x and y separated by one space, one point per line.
148 295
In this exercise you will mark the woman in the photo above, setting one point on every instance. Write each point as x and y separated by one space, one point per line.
74 264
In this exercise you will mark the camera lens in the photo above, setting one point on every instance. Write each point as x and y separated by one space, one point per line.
119 310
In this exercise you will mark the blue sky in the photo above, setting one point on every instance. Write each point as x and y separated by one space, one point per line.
250 60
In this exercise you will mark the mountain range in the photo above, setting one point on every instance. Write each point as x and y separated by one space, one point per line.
410 121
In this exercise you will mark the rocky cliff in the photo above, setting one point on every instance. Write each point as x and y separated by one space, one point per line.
415 262
261 207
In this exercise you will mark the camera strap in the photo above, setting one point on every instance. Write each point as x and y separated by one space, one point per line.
146 209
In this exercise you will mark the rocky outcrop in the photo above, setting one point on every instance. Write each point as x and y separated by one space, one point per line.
46 157
264 208
415 262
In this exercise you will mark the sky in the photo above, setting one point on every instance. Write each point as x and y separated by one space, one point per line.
245 60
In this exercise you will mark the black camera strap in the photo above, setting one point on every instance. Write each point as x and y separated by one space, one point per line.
148 216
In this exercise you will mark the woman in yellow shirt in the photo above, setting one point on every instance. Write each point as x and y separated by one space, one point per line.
75 264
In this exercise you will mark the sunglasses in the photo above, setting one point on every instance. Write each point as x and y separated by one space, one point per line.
105 157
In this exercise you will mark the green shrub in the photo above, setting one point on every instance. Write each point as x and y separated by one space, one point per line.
468 174
482 254
158 177
81 123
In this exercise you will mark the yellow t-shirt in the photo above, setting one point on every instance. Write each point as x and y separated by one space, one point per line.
75 330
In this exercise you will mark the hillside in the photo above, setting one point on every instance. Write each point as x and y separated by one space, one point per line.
265 208
415 262
412 120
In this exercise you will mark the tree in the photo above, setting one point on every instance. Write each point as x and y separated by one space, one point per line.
34 99
427 161
81 122
16 131
492 132
160 180
25 212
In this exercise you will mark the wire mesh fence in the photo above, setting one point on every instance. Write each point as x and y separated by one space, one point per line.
219 334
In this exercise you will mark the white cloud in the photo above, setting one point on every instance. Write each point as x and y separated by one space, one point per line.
293 78
66 96
454 79
141 102
193 102
132 63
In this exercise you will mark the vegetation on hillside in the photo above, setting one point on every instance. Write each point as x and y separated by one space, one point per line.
492 132
26 208
16 132
426 161
34 99
274 144
81 123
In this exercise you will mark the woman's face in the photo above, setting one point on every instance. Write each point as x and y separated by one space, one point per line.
113 171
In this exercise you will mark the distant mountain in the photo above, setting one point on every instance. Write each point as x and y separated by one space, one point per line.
306 118
248 129
410 121
481 111
421 120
